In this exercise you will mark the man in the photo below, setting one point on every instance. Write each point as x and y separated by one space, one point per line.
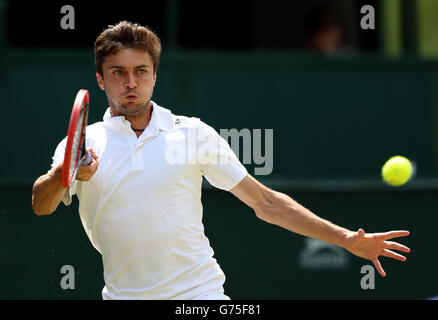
322 30
140 198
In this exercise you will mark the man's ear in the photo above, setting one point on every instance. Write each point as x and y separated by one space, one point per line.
155 78
100 81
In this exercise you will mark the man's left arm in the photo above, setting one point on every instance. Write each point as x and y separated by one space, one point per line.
279 209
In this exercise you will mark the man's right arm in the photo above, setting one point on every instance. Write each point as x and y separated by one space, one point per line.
48 191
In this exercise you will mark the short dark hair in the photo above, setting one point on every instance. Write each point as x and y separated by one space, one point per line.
126 35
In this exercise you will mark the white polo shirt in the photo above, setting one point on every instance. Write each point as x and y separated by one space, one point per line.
142 208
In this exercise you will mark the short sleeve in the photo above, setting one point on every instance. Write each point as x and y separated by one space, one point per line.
57 158
219 164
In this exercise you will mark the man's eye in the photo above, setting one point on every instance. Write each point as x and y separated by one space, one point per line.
117 72
141 71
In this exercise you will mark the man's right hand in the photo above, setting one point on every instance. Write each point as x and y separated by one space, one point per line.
86 172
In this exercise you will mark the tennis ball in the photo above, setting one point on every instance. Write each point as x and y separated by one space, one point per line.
397 171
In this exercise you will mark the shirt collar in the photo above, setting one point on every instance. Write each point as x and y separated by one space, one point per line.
161 119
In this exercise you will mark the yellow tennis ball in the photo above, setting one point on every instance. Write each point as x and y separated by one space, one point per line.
397 171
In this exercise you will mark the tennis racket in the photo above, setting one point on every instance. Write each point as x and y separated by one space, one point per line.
75 152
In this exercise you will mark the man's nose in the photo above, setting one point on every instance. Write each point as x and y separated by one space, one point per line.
131 83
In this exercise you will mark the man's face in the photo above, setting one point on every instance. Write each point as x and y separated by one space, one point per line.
128 80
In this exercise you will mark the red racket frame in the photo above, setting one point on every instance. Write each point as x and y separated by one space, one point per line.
82 98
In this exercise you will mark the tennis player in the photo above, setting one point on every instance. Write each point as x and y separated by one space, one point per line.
141 207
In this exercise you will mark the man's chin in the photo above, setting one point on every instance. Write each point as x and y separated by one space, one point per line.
133 109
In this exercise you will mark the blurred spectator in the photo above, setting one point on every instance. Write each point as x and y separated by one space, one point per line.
322 30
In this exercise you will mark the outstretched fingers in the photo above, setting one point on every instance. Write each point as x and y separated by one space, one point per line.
395 234
392 254
397 246
379 268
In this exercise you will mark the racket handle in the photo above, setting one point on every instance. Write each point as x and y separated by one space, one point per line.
86 160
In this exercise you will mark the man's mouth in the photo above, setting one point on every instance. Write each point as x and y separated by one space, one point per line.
131 96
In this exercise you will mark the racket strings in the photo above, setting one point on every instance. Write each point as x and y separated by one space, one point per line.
78 143
75 147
